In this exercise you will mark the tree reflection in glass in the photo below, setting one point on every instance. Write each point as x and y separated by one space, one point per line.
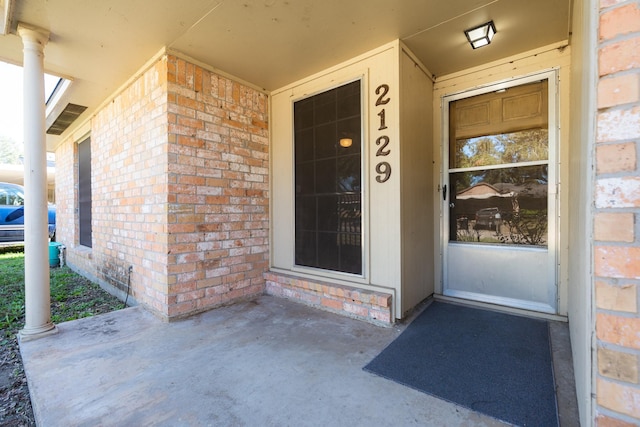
516 147
500 206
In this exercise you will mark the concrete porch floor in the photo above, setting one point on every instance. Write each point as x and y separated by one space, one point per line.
270 362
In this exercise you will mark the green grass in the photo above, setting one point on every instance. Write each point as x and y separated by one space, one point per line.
11 289
72 296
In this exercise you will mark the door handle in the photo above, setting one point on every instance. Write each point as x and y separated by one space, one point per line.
444 192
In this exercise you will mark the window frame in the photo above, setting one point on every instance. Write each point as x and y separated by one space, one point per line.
84 221
317 271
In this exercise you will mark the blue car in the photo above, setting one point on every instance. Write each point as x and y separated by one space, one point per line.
12 214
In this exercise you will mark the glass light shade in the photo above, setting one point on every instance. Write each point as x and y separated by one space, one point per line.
481 35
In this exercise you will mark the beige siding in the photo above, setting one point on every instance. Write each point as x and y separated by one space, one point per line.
397 213
580 281
417 186
381 209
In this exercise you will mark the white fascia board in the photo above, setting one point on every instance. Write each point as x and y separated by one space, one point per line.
6 18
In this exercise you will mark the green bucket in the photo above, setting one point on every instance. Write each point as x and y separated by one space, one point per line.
54 254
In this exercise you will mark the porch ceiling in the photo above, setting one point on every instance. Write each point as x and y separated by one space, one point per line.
270 43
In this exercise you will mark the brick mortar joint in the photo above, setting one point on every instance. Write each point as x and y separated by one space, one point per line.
610 414
616 243
628 107
605 9
620 73
603 43
603 244
617 348
616 210
618 282
618 314
617 382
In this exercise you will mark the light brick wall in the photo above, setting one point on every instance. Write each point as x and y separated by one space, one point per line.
617 205
129 145
129 185
373 307
180 190
67 228
218 189
66 192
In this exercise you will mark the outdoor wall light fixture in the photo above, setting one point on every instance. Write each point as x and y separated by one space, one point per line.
481 35
346 142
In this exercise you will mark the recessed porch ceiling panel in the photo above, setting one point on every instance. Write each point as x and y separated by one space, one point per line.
274 42
522 25
100 44
103 42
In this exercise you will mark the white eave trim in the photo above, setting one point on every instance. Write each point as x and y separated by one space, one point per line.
6 19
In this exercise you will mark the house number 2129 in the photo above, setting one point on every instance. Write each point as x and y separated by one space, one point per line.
383 169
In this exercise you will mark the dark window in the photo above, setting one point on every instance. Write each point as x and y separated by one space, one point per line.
84 192
328 180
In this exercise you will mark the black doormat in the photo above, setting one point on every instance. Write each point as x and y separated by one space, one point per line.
489 362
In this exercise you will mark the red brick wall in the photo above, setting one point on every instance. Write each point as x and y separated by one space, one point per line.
617 205
180 190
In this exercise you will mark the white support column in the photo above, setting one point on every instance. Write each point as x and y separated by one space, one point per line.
36 237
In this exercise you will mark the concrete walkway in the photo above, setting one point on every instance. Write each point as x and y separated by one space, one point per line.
270 362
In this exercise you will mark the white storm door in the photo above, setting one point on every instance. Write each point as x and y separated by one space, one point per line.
499 195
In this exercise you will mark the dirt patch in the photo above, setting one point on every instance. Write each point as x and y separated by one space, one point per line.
15 404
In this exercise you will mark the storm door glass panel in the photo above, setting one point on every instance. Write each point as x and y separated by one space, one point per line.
498 168
328 180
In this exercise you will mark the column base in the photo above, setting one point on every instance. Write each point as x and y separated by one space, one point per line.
35 333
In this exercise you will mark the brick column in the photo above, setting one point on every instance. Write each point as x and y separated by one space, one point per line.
617 205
